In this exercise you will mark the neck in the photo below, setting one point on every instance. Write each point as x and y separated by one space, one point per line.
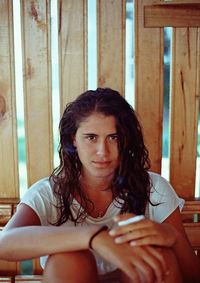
97 185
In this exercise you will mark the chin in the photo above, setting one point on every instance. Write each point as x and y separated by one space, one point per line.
104 174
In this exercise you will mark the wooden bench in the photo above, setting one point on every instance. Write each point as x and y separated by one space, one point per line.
22 278
12 271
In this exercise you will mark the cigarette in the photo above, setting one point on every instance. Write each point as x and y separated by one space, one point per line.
131 220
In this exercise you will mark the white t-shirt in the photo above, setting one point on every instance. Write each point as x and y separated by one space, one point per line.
41 199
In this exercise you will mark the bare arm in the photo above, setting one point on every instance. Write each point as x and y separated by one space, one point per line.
186 257
24 237
137 263
170 234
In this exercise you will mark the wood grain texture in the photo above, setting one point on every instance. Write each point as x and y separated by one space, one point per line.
180 2
149 83
9 185
184 110
111 44
37 88
172 15
72 49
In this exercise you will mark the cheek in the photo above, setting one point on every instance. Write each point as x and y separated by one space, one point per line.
83 151
116 150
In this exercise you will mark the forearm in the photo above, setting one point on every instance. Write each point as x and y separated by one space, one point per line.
188 262
34 241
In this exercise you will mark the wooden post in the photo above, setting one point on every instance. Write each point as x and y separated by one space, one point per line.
9 184
149 83
111 44
37 88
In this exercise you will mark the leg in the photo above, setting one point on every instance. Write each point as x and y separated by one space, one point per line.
71 267
173 276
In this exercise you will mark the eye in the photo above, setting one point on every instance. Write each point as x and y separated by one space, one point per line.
91 137
113 138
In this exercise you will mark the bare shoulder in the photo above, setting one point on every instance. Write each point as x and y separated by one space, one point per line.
175 220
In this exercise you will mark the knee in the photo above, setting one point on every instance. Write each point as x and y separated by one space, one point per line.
174 274
78 258
77 266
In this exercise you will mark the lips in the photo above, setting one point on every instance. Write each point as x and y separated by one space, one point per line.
101 164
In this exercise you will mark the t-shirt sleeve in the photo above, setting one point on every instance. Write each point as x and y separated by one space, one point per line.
40 198
164 199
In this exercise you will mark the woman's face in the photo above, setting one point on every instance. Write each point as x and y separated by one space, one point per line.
96 141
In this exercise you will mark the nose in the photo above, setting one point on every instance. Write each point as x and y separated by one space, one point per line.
102 148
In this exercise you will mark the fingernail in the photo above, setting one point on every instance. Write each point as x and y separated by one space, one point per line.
111 232
118 240
133 243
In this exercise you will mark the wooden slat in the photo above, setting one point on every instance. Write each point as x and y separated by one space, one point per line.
5 214
184 110
28 278
149 83
172 15
9 186
192 206
8 268
111 44
36 50
191 221
191 211
37 269
168 2
6 279
72 49
193 233
7 209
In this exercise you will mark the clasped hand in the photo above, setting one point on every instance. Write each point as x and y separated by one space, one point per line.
136 248
144 232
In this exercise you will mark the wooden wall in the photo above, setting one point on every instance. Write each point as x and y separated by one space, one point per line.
72 43
73 72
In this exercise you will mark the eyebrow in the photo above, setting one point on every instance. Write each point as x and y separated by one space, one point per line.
93 134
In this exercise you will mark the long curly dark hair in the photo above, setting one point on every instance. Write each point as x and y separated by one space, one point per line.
131 182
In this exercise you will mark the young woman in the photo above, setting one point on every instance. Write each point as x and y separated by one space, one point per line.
71 218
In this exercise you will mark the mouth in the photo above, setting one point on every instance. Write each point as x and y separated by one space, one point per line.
101 164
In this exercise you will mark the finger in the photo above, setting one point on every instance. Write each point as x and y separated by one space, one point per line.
148 240
144 269
130 272
156 266
140 225
121 236
120 230
158 253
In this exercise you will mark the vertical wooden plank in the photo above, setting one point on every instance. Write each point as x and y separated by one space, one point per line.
111 44
165 2
72 49
37 269
184 110
149 83
8 137
37 87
